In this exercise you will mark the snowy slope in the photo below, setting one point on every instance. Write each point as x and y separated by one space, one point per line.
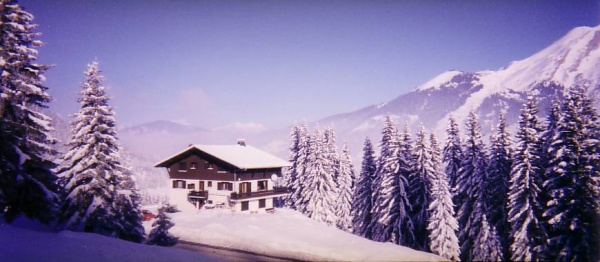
286 233
24 241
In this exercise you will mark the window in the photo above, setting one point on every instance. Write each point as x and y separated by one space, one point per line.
182 166
220 169
244 188
178 184
263 185
262 203
191 186
244 205
209 183
193 165
225 186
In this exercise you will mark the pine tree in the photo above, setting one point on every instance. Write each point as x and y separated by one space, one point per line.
497 183
299 194
390 201
452 152
159 235
524 203
487 245
405 228
469 187
419 192
331 153
321 188
26 180
346 187
572 181
291 173
128 214
452 157
442 225
100 195
362 201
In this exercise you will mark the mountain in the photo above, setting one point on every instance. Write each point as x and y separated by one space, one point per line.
573 59
162 126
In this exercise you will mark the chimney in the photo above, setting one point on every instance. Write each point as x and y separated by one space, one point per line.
241 142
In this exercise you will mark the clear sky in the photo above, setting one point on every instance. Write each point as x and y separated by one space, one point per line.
212 63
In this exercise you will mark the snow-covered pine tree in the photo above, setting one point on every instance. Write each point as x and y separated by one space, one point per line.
452 155
27 184
497 183
320 188
442 225
524 203
419 189
299 194
390 200
128 214
487 245
159 235
346 180
405 229
572 181
291 173
469 187
362 201
99 194
331 153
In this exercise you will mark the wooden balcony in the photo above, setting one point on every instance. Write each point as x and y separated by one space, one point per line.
198 194
277 191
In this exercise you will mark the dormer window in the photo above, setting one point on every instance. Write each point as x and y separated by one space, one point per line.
193 165
182 166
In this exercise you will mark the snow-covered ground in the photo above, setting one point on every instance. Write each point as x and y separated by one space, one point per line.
28 241
286 233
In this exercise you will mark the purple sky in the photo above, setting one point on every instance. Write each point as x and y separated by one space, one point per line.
212 63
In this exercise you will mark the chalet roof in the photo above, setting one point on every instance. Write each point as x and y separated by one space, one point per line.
240 156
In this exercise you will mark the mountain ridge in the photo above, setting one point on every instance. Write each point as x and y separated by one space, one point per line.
570 60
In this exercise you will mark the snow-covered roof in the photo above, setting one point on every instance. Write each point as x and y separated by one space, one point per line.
240 156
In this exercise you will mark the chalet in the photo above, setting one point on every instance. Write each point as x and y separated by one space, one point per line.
239 177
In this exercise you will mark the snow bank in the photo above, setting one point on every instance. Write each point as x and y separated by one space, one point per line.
286 233
26 241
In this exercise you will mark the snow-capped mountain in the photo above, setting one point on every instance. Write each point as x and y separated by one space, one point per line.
573 59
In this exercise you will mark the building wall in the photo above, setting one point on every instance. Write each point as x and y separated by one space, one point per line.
253 205
202 167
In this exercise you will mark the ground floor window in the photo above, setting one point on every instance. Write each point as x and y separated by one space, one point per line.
191 186
262 203
179 184
245 205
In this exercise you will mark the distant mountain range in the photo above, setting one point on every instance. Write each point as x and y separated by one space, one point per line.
573 59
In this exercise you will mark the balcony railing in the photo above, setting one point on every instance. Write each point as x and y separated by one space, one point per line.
275 191
198 194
